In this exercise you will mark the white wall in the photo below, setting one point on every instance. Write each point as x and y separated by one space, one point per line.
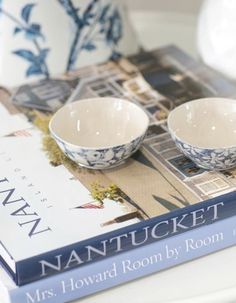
162 22
184 6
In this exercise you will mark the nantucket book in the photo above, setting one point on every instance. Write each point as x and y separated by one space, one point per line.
127 266
52 222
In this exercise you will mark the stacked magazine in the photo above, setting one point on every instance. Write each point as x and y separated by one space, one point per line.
57 242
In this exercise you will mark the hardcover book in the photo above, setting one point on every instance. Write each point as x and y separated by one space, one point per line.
127 266
52 222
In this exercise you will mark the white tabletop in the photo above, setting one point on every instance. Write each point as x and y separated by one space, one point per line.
209 279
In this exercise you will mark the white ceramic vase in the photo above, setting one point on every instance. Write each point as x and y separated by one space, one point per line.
40 38
216 35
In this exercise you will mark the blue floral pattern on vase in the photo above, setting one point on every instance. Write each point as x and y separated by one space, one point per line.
42 39
99 158
212 159
32 31
96 22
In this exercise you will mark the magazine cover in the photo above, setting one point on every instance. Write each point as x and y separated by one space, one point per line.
65 216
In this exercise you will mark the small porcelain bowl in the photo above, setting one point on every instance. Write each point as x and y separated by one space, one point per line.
205 131
99 133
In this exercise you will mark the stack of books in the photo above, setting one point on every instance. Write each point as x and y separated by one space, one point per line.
67 232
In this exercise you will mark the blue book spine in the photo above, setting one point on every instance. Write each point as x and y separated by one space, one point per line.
136 235
128 266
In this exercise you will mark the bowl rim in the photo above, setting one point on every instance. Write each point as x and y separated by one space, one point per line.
76 146
172 132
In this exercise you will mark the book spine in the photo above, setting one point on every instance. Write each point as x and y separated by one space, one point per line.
124 239
128 266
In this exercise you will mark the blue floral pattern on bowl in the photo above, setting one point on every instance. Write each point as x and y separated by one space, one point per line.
212 159
99 158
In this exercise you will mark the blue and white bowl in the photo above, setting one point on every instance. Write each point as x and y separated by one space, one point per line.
99 133
205 131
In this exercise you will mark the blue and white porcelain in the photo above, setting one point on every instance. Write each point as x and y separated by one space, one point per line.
41 39
99 133
205 131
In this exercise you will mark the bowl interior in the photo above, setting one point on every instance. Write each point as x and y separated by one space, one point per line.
205 123
99 122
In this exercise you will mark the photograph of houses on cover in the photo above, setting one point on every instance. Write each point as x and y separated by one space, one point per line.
159 178
155 180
